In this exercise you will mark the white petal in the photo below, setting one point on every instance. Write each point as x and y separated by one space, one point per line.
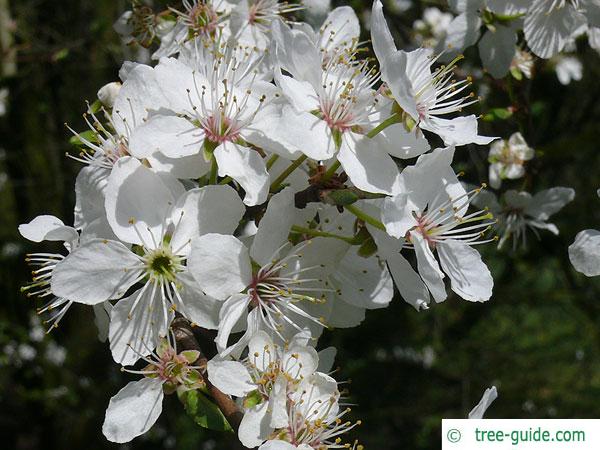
403 144
173 136
260 344
341 29
220 264
429 269
363 282
393 62
343 314
90 187
463 31
209 209
409 283
198 307
369 168
584 253
326 359
497 50
97 271
489 396
274 227
469 276
278 445
300 361
137 323
188 167
255 426
278 403
247 167
137 202
133 410
230 377
304 132
232 312
397 215
548 202
48 228
300 94
458 131
548 32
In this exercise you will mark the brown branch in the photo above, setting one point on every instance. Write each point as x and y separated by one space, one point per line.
186 340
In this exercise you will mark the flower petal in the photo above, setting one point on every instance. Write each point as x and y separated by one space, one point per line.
429 269
173 136
48 228
97 271
489 396
584 253
497 50
255 426
220 264
133 410
230 377
469 276
232 312
247 167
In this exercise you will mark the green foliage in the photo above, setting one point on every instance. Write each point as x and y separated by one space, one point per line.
204 412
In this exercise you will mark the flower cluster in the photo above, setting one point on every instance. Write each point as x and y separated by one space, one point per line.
263 180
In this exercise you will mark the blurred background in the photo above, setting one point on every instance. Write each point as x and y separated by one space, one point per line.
537 340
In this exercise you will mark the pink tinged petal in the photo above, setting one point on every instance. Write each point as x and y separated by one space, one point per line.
255 426
429 269
369 168
97 271
274 227
209 209
393 63
246 167
137 323
398 215
457 131
232 312
487 399
137 202
584 253
546 32
363 282
48 228
133 410
469 276
497 50
230 377
220 264
400 143
173 136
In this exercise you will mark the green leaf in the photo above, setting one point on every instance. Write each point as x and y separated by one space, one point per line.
88 135
497 114
203 412
342 197
368 248
516 73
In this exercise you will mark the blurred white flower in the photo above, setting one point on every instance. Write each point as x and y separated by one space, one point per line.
507 159
568 68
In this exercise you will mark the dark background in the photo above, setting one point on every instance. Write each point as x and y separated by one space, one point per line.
537 340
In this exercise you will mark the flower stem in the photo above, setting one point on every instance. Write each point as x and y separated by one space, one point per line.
365 217
272 160
316 233
213 171
395 118
331 171
287 172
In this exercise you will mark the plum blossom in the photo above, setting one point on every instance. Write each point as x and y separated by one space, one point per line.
507 159
154 214
422 94
136 407
432 216
519 211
